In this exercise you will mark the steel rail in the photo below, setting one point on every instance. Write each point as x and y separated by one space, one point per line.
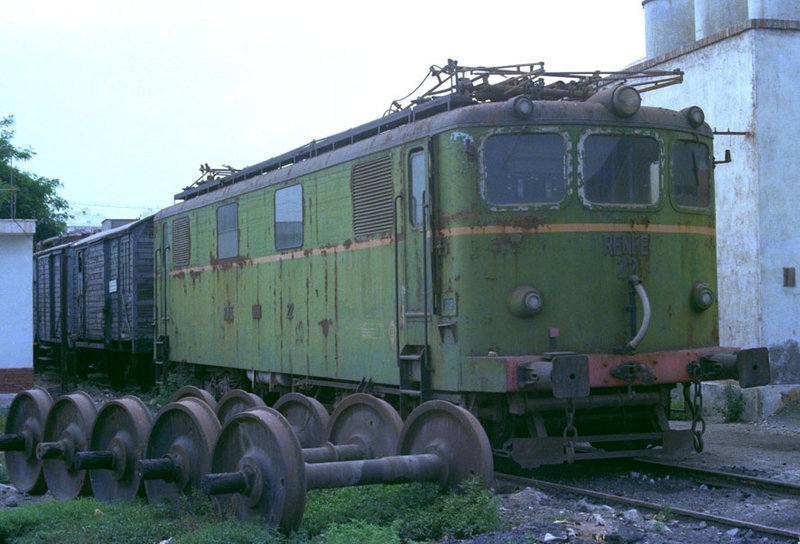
775 486
765 529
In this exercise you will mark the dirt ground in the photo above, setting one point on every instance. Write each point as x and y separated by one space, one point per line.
769 449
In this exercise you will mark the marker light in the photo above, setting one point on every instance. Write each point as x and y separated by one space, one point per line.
702 297
625 101
521 107
694 115
525 301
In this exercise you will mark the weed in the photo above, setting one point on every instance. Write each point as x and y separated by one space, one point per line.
417 511
731 404
358 531
471 511
161 394
665 514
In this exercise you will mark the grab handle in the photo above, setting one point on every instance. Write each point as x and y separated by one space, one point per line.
639 288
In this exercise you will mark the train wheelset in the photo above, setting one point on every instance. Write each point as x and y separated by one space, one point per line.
255 460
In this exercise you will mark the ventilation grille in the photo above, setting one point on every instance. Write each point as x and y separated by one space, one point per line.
373 197
181 242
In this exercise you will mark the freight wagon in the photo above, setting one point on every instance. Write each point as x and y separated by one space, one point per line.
106 282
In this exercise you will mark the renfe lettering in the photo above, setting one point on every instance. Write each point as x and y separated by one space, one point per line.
626 244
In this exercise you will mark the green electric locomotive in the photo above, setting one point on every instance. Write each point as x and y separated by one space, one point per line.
542 254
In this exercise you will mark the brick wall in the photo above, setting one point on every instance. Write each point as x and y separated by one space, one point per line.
14 380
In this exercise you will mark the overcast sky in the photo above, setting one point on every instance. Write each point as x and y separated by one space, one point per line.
122 101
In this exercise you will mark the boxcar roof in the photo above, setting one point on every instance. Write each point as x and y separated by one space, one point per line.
110 232
53 250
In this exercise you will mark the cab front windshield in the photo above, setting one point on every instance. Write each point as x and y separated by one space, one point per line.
621 169
525 169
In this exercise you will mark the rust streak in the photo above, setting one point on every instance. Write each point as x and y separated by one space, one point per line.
326 325
581 227
531 227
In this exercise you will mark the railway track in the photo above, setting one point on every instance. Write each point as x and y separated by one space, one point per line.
744 481
722 478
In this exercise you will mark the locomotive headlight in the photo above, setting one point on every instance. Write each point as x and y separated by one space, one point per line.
694 115
702 297
525 301
520 107
625 101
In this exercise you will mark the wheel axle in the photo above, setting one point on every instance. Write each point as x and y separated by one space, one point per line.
167 469
12 442
260 470
92 460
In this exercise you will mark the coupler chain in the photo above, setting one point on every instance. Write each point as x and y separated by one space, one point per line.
570 434
694 403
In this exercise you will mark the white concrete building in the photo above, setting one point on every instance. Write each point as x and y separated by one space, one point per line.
741 60
16 304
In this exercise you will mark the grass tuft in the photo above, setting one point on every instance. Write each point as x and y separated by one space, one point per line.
732 404
393 514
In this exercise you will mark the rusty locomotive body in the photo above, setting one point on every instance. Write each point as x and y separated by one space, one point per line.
547 264
542 255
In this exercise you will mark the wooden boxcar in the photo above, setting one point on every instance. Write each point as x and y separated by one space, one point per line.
111 276
52 287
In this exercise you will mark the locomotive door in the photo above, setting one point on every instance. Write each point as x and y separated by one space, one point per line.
416 293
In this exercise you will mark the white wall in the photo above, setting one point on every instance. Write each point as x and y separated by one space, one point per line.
16 293
777 56
720 79
747 82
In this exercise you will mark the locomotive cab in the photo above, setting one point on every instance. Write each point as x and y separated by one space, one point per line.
576 246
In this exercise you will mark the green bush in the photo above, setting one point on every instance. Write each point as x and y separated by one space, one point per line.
418 511
732 403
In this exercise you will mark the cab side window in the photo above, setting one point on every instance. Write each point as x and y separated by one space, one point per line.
289 217
228 231
416 169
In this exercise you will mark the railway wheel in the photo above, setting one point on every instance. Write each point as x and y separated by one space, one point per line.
24 430
235 401
190 391
367 421
453 434
179 448
66 433
307 416
262 469
118 441
259 470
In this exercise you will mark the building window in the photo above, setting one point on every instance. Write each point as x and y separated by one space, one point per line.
227 231
621 170
525 169
289 217
789 279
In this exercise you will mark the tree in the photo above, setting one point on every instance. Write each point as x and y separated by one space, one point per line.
36 196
